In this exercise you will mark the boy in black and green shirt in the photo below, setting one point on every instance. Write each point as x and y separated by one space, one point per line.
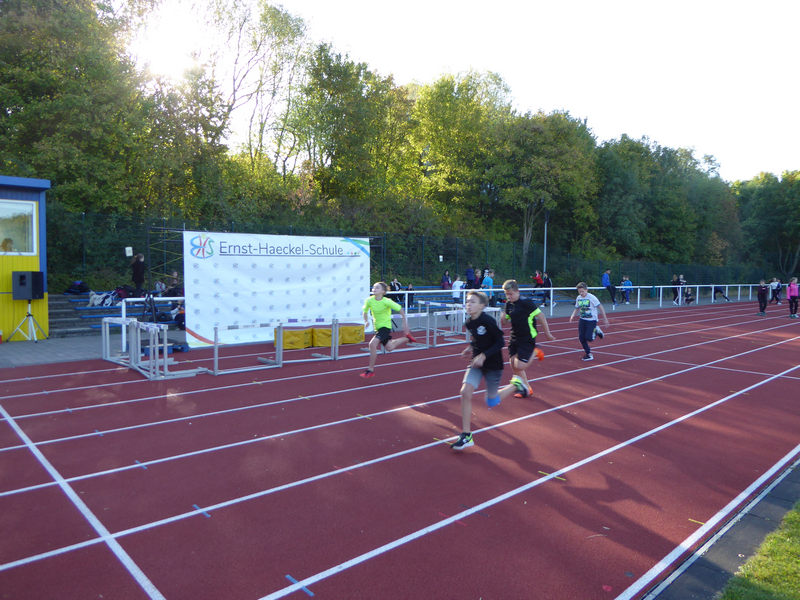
524 315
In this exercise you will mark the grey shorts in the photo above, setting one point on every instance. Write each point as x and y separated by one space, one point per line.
474 375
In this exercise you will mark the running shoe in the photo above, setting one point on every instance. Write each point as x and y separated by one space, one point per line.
538 354
411 338
367 374
588 357
492 402
599 333
530 393
463 441
522 389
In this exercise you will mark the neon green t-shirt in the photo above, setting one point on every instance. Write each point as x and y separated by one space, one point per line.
381 310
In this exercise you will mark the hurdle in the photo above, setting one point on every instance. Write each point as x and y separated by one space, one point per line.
279 361
156 365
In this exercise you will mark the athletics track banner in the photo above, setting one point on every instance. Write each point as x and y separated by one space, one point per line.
244 284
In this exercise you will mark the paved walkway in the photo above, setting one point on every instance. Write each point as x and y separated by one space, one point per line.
700 578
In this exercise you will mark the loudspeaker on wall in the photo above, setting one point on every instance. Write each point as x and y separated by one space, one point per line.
27 285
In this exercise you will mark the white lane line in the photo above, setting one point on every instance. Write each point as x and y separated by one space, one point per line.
396 409
327 373
567 328
105 535
690 541
381 459
308 581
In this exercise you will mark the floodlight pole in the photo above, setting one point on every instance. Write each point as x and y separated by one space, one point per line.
546 219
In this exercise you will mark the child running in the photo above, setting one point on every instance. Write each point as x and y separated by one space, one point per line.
487 363
524 316
793 294
763 290
587 305
381 308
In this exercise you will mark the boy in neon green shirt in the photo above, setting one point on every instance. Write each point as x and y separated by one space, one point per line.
381 308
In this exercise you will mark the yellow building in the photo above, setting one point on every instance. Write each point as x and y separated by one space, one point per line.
23 250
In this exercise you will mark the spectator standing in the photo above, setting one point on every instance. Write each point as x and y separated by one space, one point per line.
775 288
488 284
458 285
763 291
137 273
793 295
547 286
470 276
627 285
675 289
410 295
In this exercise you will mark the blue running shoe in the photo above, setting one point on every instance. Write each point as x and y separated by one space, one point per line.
492 402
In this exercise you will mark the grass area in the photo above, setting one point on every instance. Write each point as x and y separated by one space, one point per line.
774 572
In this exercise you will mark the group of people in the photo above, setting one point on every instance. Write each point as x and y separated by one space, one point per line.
542 281
774 289
475 280
484 351
625 283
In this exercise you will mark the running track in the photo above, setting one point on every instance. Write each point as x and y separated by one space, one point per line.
308 480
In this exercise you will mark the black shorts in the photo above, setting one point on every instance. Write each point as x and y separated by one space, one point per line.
522 350
384 334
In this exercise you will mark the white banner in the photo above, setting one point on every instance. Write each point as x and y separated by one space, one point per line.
245 284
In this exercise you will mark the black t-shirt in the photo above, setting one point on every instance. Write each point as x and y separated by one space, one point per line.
487 339
522 315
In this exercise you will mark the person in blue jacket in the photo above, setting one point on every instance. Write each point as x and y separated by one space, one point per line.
606 283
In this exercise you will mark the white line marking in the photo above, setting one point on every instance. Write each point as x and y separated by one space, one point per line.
384 412
105 535
510 494
690 541
368 463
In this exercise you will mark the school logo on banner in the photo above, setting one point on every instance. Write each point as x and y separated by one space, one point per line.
202 246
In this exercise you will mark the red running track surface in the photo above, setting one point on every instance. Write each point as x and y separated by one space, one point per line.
238 486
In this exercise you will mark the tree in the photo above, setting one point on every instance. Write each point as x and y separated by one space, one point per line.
771 207
625 166
71 101
545 162
455 119
350 130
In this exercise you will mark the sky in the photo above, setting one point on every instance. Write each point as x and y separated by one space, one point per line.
718 77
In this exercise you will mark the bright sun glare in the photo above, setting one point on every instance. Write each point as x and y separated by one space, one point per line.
167 43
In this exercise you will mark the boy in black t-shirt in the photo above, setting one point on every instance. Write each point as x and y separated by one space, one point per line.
524 316
486 363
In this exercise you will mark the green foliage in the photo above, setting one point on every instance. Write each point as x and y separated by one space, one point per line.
774 572
333 144
771 210
69 95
